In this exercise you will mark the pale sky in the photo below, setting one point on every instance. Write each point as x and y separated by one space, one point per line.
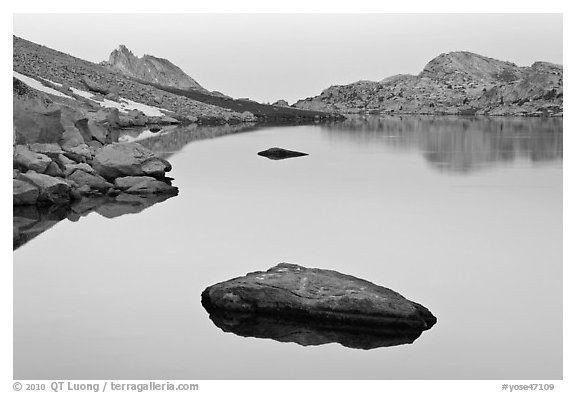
268 57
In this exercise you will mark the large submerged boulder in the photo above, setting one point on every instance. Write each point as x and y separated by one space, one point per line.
296 293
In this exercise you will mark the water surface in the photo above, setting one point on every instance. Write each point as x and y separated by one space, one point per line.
463 216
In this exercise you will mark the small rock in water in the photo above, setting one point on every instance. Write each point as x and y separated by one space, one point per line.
276 153
313 307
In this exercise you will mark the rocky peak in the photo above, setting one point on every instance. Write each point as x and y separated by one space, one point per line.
465 67
453 83
121 56
543 66
150 69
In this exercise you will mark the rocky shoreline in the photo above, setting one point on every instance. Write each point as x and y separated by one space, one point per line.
64 151
68 112
67 161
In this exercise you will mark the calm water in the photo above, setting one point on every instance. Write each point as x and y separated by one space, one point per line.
463 216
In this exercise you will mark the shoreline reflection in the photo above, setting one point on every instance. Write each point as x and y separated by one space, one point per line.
459 145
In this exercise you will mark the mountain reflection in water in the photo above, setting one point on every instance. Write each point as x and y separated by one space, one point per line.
482 249
172 139
30 221
459 144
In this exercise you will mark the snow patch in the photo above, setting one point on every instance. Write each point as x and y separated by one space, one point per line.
143 135
146 134
146 109
33 83
124 105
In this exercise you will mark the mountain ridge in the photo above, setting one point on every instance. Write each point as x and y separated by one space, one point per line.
188 105
458 82
150 68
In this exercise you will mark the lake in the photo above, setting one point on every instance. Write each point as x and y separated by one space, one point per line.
462 215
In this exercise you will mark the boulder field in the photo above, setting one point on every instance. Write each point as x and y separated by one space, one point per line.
59 176
63 151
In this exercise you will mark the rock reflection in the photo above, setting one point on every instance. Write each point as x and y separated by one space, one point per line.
459 144
170 140
31 221
311 332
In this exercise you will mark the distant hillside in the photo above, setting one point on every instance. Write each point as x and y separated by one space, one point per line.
150 69
453 83
262 112
188 104
43 63
164 75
